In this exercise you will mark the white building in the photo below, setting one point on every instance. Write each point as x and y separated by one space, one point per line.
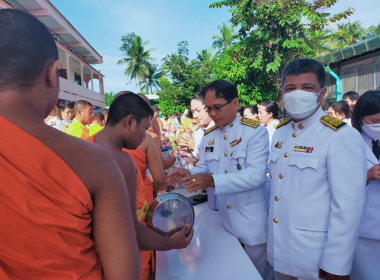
78 79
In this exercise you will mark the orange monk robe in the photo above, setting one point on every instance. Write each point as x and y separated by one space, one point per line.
147 257
139 158
45 213
147 265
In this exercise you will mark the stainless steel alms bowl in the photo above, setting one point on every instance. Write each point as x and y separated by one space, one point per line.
168 213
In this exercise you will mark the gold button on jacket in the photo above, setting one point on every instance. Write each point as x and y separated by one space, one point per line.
280 176
225 137
229 206
286 155
294 134
276 198
225 154
275 221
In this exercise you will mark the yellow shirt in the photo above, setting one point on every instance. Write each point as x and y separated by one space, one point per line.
94 128
187 122
77 129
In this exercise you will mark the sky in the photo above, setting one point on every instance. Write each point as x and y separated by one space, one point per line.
163 23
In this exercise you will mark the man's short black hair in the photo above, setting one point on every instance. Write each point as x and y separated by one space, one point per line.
26 45
223 89
303 66
66 104
128 104
351 95
155 109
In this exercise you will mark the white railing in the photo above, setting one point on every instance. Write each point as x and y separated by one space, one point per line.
74 92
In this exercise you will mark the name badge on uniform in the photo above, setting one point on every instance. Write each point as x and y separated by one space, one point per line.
209 149
278 145
303 149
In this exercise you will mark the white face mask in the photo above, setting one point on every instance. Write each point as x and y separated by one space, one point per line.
300 103
372 130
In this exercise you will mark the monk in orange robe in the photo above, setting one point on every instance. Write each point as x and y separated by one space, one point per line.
128 119
63 201
146 156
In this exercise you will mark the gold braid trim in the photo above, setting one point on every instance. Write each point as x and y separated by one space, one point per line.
249 122
332 122
211 129
283 122
141 212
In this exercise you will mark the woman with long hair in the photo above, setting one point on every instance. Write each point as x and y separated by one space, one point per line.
366 119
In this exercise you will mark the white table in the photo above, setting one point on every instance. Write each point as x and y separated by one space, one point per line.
213 253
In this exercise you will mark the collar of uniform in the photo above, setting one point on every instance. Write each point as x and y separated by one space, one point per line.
229 127
207 127
367 139
298 126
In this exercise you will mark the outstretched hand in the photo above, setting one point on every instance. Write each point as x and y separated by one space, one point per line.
177 175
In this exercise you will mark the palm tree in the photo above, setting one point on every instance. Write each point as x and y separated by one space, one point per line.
137 58
320 41
151 80
348 34
226 38
204 56
373 31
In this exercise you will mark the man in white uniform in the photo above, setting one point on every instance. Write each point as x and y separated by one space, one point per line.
318 169
233 156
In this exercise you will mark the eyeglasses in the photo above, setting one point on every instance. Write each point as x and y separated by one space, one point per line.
216 108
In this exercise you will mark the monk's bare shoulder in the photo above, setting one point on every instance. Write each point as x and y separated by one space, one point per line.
90 162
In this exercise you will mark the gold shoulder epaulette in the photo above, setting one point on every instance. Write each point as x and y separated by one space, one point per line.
249 122
211 129
197 127
332 122
283 122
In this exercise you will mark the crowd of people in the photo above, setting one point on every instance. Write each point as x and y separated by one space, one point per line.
299 193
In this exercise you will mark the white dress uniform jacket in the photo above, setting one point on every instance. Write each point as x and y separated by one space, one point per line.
318 169
239 175
271 130
198 135
366 265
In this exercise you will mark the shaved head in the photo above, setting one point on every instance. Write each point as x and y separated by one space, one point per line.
81 105
98 117
104 111
143 96
26 46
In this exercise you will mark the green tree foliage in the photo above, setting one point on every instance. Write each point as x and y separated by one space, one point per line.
184 78
373 31
137 58
226 38
109 97
275 32
348 34
150 81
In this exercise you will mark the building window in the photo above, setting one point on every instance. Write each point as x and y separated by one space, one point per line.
77 78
